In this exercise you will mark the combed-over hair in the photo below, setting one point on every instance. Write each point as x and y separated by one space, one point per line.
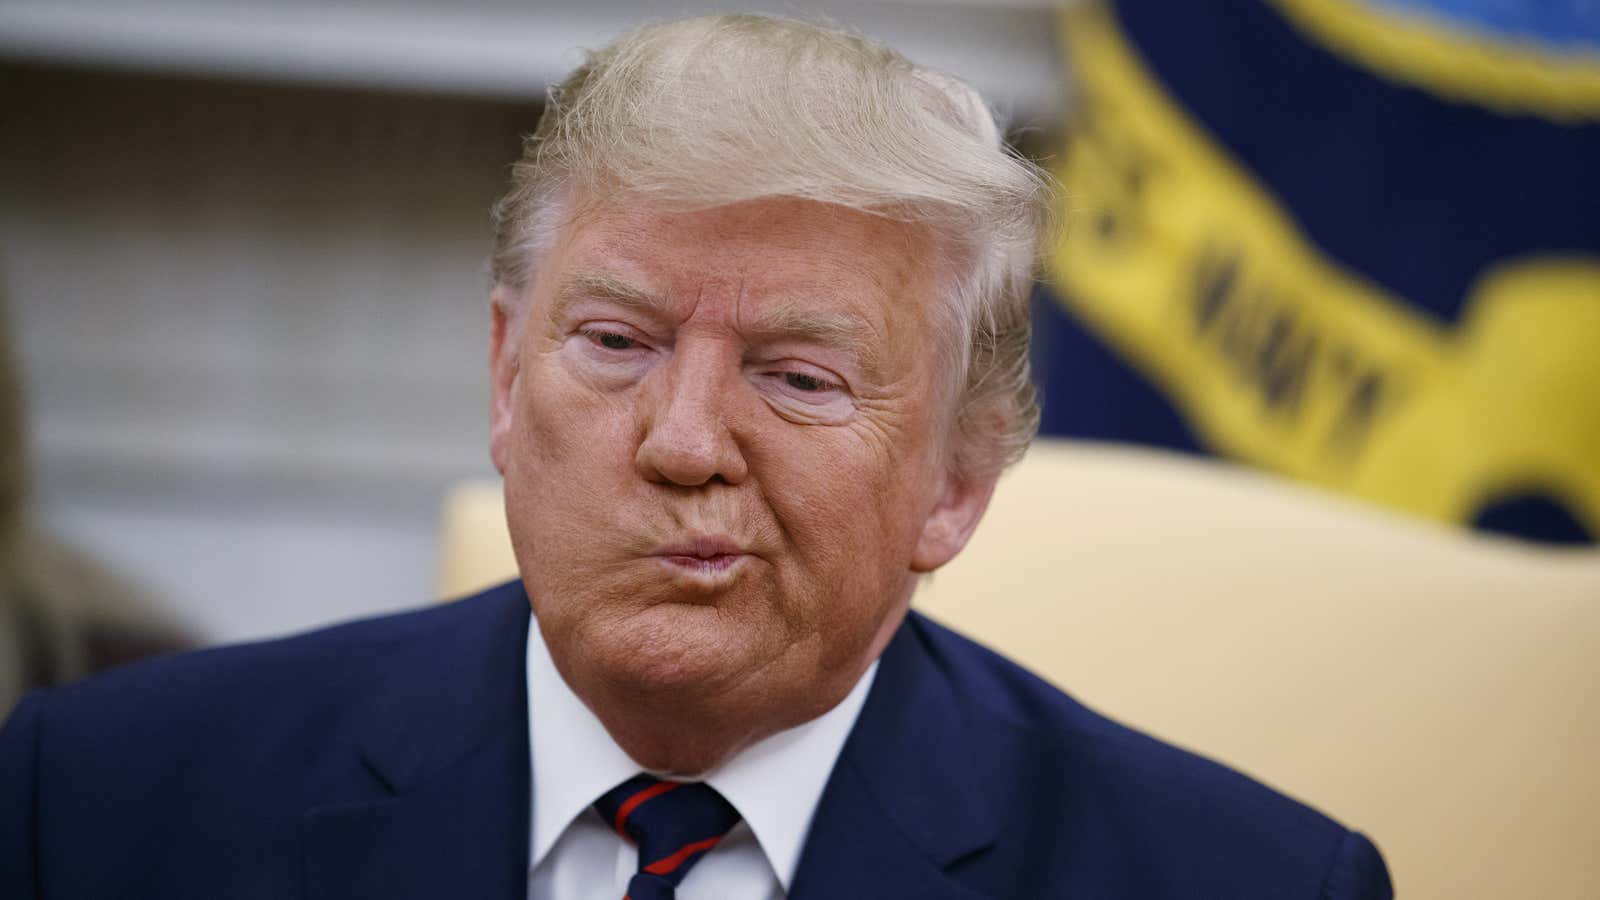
721 109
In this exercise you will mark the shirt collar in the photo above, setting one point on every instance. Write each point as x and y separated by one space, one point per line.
775 783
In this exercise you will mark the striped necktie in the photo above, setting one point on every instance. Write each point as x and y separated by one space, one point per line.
674 823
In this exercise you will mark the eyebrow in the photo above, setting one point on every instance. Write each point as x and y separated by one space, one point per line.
786 319
607 288
791 320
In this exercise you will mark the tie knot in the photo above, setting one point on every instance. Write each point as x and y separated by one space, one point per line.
673 822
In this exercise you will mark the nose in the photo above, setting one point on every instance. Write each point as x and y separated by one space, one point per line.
687 436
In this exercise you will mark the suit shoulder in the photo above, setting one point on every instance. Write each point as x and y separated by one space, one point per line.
1114 788
317 668
220 755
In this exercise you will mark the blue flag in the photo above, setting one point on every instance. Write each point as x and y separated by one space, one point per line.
1356 245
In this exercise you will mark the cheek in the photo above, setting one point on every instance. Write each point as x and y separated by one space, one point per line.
850 515
569 456
562 424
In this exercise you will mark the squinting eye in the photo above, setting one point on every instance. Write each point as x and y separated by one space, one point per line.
808 383
611 340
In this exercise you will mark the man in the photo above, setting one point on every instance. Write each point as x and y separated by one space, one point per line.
759 353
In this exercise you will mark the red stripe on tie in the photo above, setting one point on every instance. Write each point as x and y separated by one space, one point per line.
663 866
632 803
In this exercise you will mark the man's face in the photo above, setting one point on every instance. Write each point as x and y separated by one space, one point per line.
721 439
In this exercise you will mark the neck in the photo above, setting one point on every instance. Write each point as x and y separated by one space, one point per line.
691 742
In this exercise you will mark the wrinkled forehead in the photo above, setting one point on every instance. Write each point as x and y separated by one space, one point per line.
798 239
777 250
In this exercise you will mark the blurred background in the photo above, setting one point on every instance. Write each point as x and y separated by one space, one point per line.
242 254
1319 348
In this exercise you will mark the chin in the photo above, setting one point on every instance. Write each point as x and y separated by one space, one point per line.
671 648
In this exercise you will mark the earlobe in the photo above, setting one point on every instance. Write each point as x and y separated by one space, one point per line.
503 355
954 517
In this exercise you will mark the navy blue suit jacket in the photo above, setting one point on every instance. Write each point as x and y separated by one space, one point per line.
389 759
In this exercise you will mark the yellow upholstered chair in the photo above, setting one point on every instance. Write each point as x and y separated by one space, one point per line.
1437 690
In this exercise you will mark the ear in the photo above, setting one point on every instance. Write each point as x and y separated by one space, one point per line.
960 505
504 359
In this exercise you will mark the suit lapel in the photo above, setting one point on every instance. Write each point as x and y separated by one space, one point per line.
444 807
901 806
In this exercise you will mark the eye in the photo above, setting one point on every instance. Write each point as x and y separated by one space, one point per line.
810 384
803 392
610 339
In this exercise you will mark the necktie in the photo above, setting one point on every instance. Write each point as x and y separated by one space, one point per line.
674 823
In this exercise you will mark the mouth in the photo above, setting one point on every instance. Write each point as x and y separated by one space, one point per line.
709 564
705 556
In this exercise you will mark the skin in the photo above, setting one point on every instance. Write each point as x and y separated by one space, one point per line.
724 441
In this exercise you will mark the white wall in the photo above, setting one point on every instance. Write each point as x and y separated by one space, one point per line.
252 323
499 47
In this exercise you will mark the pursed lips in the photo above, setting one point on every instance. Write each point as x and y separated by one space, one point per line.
708 553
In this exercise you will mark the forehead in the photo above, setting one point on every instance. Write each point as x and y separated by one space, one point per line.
779 248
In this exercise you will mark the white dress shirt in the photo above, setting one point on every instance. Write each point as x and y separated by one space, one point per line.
775 784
